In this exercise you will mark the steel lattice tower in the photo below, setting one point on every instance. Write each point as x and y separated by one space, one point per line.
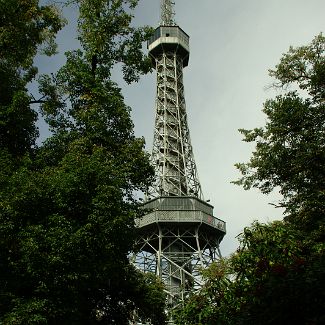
178 235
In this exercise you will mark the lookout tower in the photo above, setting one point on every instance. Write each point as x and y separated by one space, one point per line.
178 234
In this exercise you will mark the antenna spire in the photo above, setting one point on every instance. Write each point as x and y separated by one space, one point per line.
167 13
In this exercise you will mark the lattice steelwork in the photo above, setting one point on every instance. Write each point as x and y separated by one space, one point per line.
172 154
167 13
178 234
177 238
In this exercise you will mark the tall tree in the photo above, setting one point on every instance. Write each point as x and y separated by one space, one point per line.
67 212
24 28
276 277
289 153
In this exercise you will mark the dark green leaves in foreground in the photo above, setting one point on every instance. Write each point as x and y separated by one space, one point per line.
275 277
289 152
67 207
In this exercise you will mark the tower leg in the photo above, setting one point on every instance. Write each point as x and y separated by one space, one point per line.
177 259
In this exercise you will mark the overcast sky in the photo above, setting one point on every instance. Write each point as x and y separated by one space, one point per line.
233 44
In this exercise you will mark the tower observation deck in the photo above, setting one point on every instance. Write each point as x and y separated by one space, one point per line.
178 234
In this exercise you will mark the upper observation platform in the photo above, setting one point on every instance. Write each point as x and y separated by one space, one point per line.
169 39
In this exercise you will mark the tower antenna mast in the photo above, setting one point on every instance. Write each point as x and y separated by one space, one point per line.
167 13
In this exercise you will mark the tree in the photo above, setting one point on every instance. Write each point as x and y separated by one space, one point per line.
277 274
289 153
24 27
275 277
289 156
67 206
279 277
206 306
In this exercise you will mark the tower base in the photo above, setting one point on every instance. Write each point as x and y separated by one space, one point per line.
177 237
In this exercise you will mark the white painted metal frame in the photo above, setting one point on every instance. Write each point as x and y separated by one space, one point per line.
178 235
172 154
174 260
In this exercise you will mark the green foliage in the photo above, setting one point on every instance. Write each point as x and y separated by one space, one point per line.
24 27
203 307
67 207
289 153
304 66
151 300
108 37
275 277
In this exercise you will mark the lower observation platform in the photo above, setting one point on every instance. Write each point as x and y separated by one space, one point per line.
176 210
178 236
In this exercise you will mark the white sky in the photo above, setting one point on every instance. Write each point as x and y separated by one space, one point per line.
233 44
